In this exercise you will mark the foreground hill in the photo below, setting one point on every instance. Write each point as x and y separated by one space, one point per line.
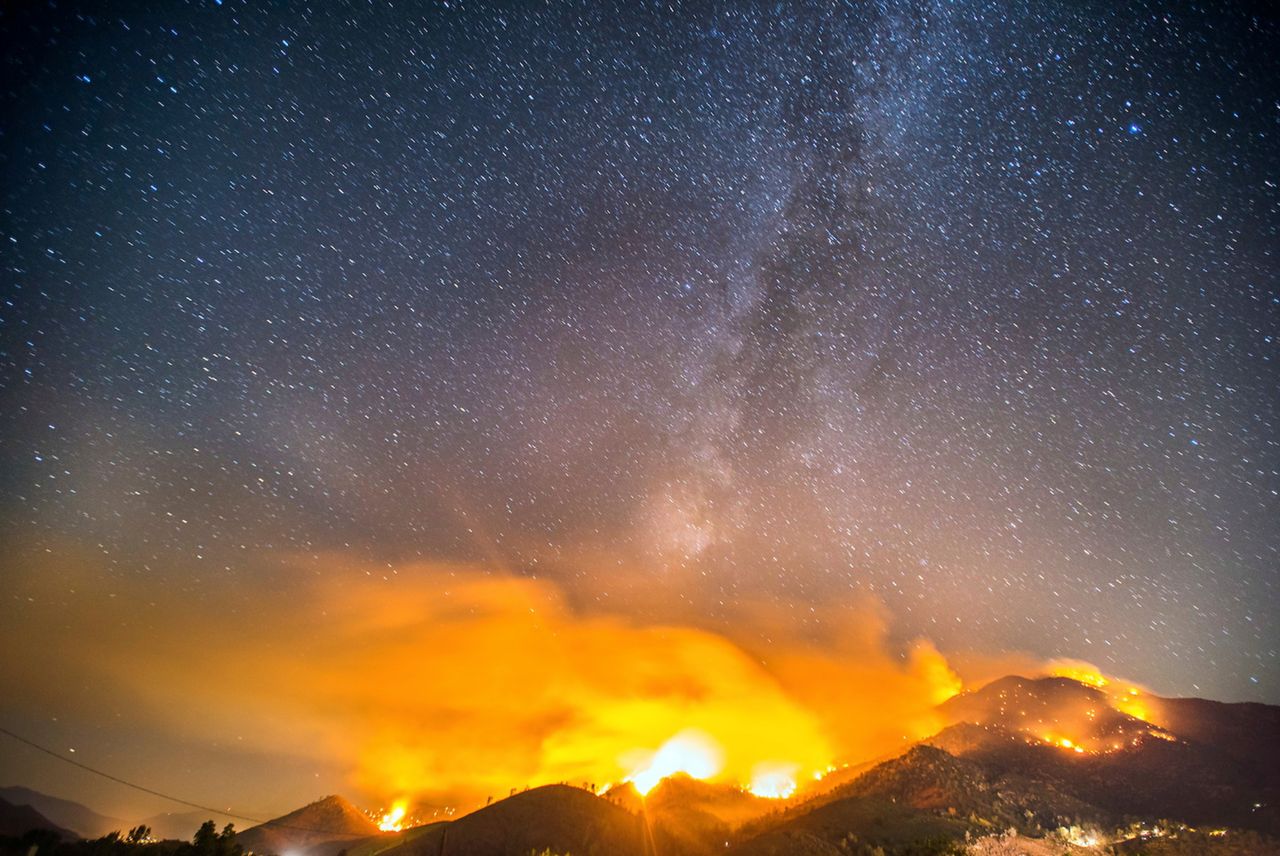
558 818
688 817
322 828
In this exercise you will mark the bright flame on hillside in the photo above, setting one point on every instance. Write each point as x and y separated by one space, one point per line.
690 752
1124 696
1066 743
393 821
773 780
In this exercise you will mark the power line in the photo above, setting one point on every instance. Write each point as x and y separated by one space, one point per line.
270 823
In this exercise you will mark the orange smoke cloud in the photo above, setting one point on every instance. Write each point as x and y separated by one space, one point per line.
448 683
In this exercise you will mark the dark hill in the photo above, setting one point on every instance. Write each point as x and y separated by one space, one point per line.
1197 761
689 817
1248 732
324 827
558 818
78 818
925 794
18 820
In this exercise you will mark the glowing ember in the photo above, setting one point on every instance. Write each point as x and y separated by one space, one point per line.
393 821
773 780
1066 743
690 752
1124 696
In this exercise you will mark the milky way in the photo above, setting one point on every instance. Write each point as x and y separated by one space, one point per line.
969 309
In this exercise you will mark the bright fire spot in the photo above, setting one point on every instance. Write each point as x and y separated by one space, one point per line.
1132 704
773 780
1065 743
1082 672
393 821
690 752
1123 696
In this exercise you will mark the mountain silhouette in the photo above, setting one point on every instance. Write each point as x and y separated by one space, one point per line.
558 818
18 820
73 816
321 828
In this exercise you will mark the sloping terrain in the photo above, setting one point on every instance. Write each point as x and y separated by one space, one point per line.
1191 761
558 818
321 828
67 814
18 820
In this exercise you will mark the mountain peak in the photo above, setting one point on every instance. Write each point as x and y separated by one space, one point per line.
329 823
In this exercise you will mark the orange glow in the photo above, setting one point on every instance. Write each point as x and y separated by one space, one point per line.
774 780
1085 673
1131 702
690 752
1124 696
393 820
1064 743
450 685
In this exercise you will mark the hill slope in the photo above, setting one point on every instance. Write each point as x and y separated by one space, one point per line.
320 828
17 820
78 818
1197 761
555 817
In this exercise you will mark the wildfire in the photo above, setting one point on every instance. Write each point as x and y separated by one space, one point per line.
1130 702
1067 743
690 752
393 820
1124 696
773 780
1082 672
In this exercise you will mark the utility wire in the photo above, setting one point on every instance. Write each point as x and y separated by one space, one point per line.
270 823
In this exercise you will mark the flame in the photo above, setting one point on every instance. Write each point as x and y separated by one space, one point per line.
393 820
1085 673
1124 696
1131 703
774 780
1066 743
690 752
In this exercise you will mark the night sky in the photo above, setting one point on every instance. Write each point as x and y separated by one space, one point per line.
968 310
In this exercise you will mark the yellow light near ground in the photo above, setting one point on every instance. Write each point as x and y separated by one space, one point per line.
690 752
773 780
393 820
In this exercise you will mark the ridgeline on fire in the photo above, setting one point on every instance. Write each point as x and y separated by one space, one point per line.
1048 765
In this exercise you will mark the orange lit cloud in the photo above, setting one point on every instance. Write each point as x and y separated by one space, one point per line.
449 683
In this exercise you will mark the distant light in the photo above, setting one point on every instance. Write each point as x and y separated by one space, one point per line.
1134 129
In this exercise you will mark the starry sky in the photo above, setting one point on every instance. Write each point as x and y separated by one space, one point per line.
967 309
